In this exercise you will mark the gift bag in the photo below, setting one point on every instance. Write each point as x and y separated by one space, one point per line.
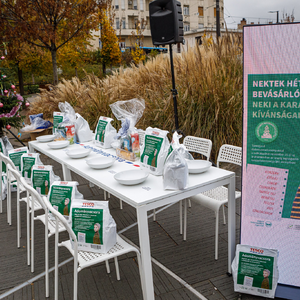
66 129
42 177
176 173
15 156
62 194
155 150
105 132
28 160
255 270
3 186
82 129
129 113
58 118
5 146
93 225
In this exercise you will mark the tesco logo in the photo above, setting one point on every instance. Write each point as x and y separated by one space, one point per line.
41 167
63 182
155 133
88 204
258 251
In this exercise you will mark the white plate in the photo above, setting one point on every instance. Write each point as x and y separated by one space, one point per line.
58 144
100 162
79 152
45 138
198 166
131 177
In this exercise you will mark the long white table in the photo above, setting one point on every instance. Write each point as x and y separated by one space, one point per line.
146 196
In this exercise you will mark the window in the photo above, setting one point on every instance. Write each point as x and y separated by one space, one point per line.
186 27
123 4
186 10
141 4
200 25
200 11
199 40
117 23
123 24
135 4
116 4
215 11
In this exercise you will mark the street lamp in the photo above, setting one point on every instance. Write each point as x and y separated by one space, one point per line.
275 11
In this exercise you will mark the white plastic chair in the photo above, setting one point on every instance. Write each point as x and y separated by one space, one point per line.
203 147
215 198
84 259
11 180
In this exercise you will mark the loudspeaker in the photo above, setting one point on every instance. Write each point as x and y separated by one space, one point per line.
166 22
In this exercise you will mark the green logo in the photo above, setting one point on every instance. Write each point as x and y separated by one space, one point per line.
266 132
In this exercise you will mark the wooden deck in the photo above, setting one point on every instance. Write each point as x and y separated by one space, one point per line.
192 261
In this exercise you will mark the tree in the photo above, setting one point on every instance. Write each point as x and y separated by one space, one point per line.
10 104
49 24
110 52
136 40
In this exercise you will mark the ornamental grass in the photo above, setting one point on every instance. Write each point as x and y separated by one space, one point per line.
208 79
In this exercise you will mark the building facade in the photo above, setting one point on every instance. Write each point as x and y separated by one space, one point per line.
132 18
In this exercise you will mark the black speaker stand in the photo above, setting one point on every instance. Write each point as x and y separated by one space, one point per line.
174 91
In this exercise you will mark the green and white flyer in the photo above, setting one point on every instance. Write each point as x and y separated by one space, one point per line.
105 132
28 160
255 271
15 156
2 151
155 150
58 117
61 195
41 179
93 225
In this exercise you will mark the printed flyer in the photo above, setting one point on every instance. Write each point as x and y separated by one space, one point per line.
273 112
41 179
60 197
151 151
15 156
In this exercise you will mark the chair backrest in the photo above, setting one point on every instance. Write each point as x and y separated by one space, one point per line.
198 145
15 173
230 154
48 207
35 196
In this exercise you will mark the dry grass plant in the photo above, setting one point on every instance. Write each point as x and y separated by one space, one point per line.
209 83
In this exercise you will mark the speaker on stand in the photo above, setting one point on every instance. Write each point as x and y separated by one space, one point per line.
166 25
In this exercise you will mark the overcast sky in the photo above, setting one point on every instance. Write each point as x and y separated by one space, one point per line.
257 10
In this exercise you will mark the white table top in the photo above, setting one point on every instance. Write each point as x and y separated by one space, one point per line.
149 191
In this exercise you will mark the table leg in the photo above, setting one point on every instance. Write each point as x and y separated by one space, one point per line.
147 280
66 173
231 222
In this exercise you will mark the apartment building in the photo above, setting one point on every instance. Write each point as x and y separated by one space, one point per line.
199 16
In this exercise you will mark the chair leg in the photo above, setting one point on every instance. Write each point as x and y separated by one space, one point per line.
8 198
104 194
180 215
32 234
190 203
154 215
107 267
224 218
18 217
184 219
121 204
117 268
56 263
217 236
28 231
46 256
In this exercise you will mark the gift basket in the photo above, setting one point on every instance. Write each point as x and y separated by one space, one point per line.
129 113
